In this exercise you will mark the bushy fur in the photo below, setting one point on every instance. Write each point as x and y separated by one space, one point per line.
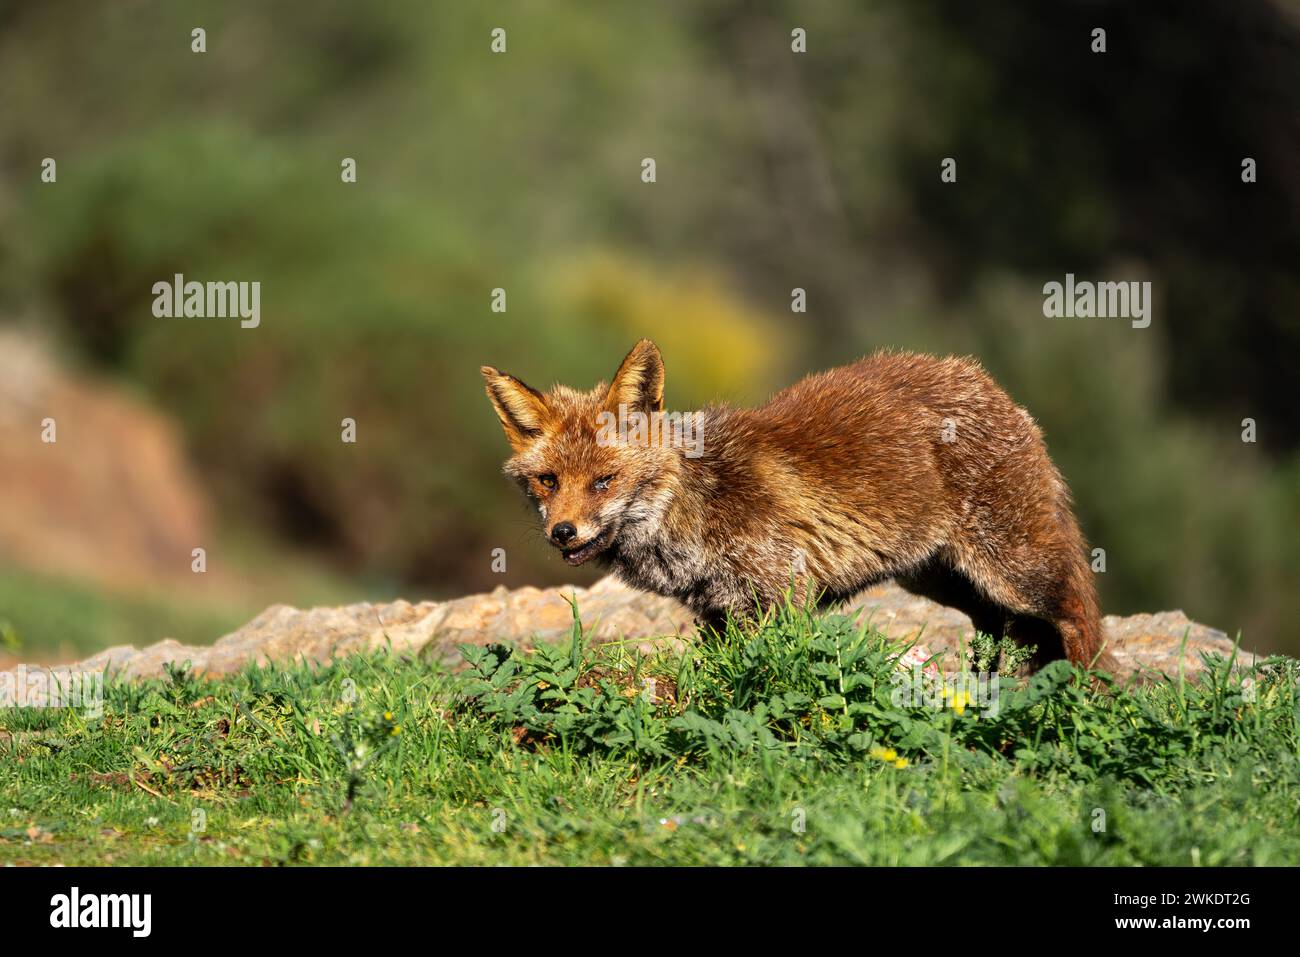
896 466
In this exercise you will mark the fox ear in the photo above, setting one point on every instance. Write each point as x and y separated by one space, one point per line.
639 381
522 410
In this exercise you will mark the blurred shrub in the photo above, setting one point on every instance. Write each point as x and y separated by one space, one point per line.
713 343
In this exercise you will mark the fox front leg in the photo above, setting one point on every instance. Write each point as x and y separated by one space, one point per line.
713 622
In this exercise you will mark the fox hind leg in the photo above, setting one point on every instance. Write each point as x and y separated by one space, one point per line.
1051 605
940 582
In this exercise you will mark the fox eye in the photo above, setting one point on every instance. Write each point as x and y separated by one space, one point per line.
603 483
547 481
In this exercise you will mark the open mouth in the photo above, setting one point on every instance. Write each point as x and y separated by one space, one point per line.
592 548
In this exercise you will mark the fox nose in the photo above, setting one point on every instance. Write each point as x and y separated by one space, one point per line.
563 533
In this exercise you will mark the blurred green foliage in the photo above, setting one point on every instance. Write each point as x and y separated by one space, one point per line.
522 171
44 617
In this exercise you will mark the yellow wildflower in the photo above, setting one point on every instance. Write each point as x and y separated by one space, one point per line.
958 700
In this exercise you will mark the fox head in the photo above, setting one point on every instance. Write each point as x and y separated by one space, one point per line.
598 464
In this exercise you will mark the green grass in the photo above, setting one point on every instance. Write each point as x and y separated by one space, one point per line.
49 618
783 744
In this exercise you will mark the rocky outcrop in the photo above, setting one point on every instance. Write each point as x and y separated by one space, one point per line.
96 484
610 611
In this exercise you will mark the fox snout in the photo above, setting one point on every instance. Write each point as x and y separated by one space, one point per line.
577 546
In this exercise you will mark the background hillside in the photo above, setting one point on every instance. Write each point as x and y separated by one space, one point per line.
522 171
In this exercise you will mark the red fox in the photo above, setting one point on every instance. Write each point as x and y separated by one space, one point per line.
897 466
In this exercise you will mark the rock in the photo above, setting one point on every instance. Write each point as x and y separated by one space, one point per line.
610 612
113 500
